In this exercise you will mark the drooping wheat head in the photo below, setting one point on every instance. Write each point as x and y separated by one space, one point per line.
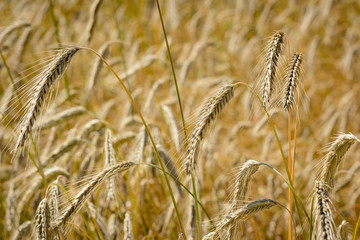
209 112
51 73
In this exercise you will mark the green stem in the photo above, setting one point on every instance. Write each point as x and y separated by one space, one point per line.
150 136
182 114
356 228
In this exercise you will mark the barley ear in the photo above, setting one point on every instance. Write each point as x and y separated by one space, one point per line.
272 56
242 181
324 221
334 156
46 79
42 221
208 114
292 81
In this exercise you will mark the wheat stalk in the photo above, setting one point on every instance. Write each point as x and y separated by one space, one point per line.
209 112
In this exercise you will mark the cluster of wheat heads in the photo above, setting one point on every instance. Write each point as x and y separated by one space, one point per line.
81 164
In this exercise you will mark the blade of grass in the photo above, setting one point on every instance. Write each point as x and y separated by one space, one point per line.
149 133
182 116
356 228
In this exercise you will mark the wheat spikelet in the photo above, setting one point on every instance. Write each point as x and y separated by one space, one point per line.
10 210
53 195
324 222
128 228
292 79
271 60
42 221
333 158
53 72
208 114
242 181
81 197
241 214
109 161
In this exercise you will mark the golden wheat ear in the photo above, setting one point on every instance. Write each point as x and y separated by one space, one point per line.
51 74
271 61
208 114
292 81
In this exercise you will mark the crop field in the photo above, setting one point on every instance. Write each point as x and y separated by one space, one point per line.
175 119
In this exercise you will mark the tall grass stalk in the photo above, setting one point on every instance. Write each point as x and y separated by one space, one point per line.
182 117
149 133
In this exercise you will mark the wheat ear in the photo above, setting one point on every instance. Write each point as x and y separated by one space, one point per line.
241 214
292 81
333 158
324 222
128 227
42 221
272 56
109 161
81 197
53 72
242 182
208 114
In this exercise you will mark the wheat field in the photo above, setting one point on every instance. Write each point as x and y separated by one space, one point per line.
166 119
